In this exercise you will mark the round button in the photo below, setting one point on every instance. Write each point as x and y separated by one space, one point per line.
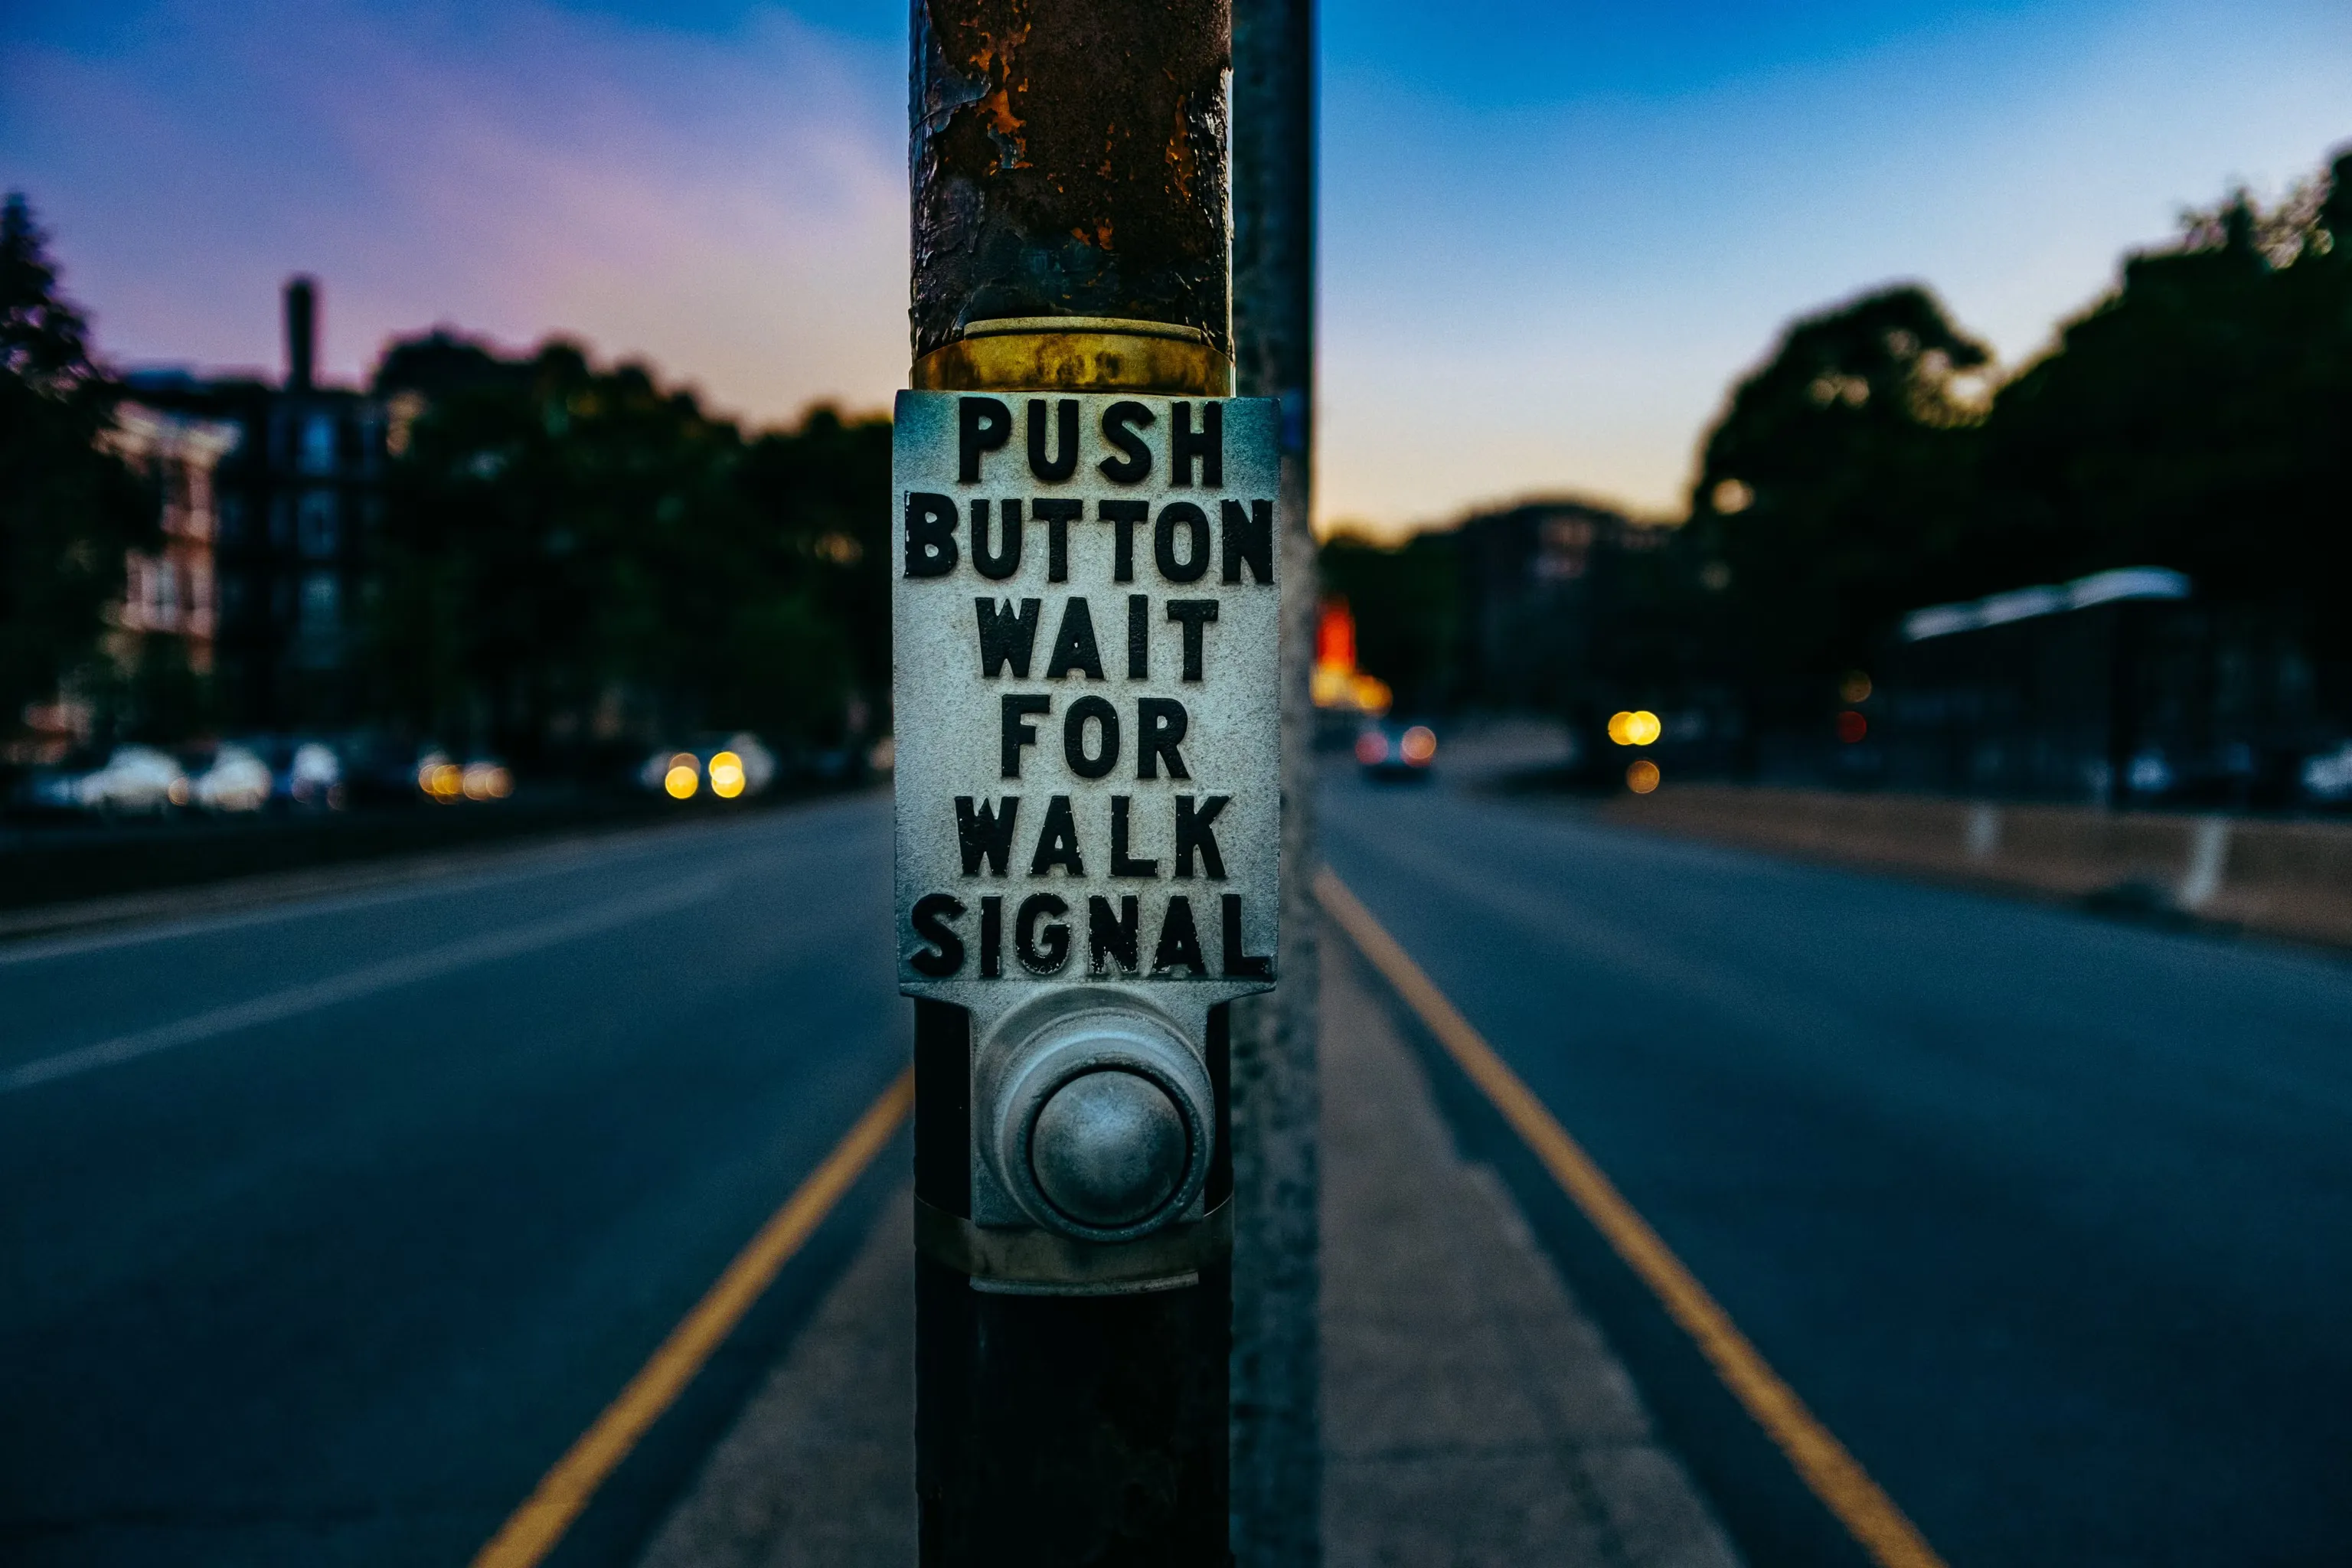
1109 1149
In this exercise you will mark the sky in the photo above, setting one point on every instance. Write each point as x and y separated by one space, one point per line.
1553 235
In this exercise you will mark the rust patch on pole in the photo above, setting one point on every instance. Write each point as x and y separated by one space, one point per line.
1068 160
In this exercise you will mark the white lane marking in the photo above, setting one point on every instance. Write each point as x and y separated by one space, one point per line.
363 982
528 865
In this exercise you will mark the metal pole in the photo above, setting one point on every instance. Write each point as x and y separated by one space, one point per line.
1277 1456
1069 166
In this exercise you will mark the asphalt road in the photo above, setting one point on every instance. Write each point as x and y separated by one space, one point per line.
2050 1219
325 1229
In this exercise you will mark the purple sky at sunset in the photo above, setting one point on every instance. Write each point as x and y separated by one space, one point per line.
1552 237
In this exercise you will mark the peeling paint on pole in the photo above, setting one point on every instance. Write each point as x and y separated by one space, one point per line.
1069 160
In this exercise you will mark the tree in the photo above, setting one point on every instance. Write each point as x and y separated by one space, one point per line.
1407 601
1837 483
561 534
2195 419
69 508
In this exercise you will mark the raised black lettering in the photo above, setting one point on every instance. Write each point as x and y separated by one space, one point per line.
1160 723
1015 731
1241 964
1056 469
930 534
1119 422
1248 536
1196 831
1122 864
984 832
1122 515
1194 522
983 425
991 937
1194 615
942 954
1109 938
1073 645
1057 516
1209 445
1006 636
1086 710
1179 940
1057 841
1139 638
1000 564
1041 952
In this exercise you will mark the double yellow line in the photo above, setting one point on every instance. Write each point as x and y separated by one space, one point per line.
1834 1475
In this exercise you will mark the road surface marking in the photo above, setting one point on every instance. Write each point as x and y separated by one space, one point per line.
534 1528
355 885
1834 1474
296 1000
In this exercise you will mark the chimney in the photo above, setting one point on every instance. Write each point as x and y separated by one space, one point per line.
301 331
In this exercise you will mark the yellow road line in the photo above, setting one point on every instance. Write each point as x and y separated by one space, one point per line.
533 1530
1834 1475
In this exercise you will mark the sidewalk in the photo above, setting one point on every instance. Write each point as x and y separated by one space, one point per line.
1474 1417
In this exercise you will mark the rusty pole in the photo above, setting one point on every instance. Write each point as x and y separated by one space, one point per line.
1070 232
1278 1455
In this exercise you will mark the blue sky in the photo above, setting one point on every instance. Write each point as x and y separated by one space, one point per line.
1553 235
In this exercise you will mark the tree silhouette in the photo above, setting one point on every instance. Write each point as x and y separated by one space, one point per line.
562 536
1837 479
69 509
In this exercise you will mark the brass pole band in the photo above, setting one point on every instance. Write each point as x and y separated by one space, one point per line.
1077 353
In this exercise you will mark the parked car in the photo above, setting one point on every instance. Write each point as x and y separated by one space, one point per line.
236 779
47 791
313 776
135 779
2327 777
441 778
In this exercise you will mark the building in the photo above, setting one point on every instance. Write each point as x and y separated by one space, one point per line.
1535 587
172 590
2121 688
297 498
168 614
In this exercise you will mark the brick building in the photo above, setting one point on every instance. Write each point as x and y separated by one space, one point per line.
297 497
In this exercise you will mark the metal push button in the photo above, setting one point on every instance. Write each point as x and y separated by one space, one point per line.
1097 1117
1109 1149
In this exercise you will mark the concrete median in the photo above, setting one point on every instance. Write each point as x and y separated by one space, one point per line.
2280 878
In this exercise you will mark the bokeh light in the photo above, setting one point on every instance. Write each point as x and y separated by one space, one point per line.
1418 744
1637 728
441 778
726 775
1643 776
